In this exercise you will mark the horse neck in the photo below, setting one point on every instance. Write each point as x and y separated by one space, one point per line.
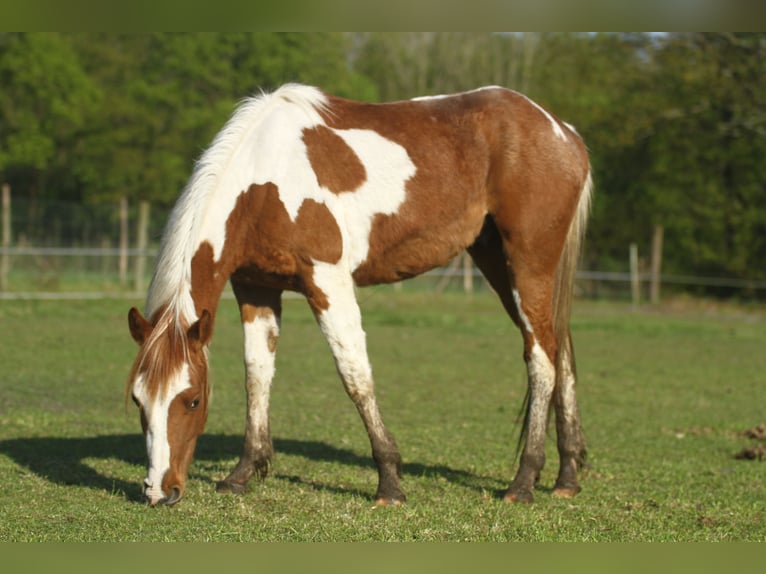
208 280
199 291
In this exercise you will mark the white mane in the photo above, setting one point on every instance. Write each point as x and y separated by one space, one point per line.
171 281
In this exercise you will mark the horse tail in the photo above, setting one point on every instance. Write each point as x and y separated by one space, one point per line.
567 268
563 294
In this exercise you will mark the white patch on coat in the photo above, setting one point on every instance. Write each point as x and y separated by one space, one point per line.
272 151
443 96
560 133
522 315
341 325
541 368
215 184
566 391
388 167
156 413
276 153
260 366
542 380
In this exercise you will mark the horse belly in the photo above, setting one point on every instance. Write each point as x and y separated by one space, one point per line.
399 250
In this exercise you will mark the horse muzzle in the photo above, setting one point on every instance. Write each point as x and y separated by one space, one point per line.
157 496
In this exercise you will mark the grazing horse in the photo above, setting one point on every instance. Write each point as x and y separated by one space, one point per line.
308 192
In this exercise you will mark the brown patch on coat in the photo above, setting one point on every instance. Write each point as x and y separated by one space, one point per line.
185 424
271 342
337 167
446 198
250 313
485 153
265 247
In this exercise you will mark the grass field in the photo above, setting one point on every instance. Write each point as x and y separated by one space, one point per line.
664 396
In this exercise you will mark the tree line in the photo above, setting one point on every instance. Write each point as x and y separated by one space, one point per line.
675 123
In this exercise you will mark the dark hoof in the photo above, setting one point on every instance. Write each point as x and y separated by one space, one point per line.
519 496
226 487
566 489
383 501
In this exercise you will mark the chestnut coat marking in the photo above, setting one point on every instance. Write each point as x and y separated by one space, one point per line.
313 193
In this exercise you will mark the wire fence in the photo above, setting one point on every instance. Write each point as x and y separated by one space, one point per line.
69 250
94 272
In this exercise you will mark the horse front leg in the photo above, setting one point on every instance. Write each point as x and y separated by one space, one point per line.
339 318
260 310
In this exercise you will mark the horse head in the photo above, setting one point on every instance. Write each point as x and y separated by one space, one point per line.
168 383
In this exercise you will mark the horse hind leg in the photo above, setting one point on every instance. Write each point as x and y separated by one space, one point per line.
488 254
260 310
570 442
525 303
533 300
549 356
339 317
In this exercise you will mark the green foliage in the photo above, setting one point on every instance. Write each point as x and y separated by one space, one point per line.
706 182
127 115
663 396
43 107
674 122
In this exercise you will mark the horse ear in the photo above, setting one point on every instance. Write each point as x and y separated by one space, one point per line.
139 327
202 329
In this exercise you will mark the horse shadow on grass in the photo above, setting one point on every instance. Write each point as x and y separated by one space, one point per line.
63 461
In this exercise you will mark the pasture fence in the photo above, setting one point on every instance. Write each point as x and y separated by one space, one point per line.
94 272
69 250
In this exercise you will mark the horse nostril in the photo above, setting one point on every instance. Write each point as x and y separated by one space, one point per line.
174 497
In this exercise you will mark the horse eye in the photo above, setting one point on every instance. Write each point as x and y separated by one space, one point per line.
194 404
135 400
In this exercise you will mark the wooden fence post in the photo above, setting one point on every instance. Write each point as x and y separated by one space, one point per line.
142 236
467 273
6 242
654 290
447 277
123 241
635 285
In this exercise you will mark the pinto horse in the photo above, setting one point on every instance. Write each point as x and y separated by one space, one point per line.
308 192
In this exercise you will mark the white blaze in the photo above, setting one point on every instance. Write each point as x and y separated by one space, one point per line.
156 413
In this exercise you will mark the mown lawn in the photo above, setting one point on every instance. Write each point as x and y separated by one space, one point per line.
664 396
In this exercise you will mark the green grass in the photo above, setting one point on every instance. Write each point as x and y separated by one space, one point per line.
664 395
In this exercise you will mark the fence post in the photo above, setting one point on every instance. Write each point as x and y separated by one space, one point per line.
447 277
467 273
123 241
654 291
142 235
4 265
635 285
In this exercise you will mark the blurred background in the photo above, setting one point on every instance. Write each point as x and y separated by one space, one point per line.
99 133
